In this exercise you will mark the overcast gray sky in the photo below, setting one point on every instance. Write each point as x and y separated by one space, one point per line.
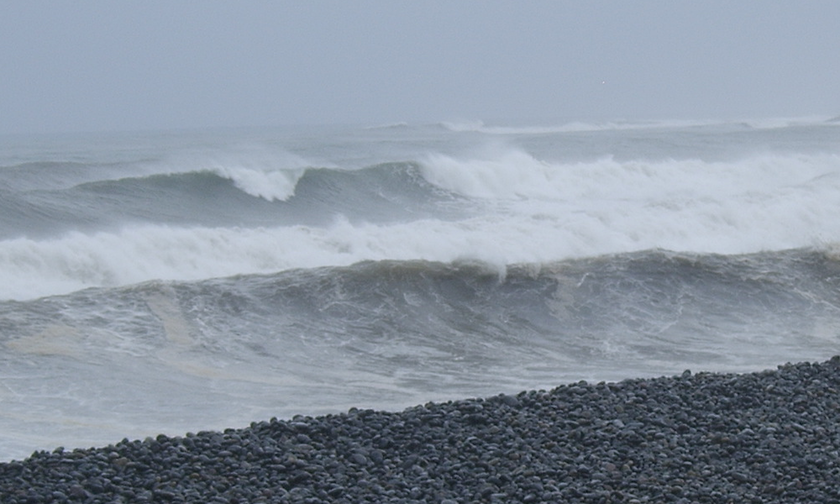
96 65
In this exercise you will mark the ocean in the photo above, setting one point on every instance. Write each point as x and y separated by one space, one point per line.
173 282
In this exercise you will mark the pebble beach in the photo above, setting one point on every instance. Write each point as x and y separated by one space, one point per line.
770 436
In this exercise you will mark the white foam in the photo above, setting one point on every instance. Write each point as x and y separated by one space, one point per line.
527 210
532 231
517 174
268 184
263 171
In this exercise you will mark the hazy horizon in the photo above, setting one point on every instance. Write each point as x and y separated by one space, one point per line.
153 65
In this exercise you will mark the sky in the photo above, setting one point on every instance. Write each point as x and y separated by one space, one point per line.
124 65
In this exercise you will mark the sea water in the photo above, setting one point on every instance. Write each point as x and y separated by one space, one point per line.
170 282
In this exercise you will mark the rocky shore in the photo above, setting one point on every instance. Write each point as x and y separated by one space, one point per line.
772 436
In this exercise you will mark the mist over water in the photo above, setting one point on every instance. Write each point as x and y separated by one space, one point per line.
178 282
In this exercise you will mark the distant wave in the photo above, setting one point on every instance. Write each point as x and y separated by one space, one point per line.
785 122
570 127
50 175
387 126
479 126
225 197
272 186
264 171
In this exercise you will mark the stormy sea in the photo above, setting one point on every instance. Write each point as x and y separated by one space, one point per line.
181 281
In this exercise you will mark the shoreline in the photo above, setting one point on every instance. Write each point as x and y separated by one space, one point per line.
768 436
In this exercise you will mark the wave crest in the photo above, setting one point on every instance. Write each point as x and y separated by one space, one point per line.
260 171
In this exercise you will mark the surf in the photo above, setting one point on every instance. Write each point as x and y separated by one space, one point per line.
217 278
